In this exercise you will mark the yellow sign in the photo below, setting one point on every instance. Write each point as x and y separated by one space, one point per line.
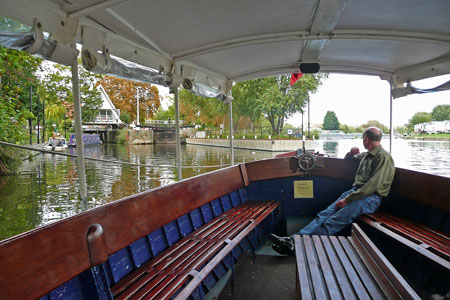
303 189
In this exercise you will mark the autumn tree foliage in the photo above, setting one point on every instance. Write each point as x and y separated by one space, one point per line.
123 94
200 110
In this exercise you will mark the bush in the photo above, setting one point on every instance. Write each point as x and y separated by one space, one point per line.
10 160
122 136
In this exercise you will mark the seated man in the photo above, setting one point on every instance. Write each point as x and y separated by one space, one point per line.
373 180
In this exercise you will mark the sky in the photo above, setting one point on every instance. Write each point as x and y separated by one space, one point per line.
357 99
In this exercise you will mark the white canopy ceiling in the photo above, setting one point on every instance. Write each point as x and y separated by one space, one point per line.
223 41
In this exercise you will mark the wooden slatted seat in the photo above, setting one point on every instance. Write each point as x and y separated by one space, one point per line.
431 243
191 259
331 267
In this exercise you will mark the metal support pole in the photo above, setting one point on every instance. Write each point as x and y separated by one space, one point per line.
231 133
43 120
302 123
38 124
309 127
78 131
30 121
137 113
65 124
177 134
391 130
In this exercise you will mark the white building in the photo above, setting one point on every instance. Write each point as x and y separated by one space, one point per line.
433 127
108 114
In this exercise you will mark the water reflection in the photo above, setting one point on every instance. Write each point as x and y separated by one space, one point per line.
46 190
330 148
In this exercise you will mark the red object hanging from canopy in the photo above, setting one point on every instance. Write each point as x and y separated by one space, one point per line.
295 77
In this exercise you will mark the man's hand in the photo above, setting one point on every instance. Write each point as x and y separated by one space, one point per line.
354 150
341 203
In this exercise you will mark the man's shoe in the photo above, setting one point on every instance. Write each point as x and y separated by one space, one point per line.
280 250
282 245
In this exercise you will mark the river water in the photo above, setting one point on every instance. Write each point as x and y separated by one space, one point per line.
46 189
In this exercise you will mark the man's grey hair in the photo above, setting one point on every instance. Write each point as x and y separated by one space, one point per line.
373 134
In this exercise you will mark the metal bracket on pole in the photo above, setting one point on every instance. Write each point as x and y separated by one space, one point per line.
79 133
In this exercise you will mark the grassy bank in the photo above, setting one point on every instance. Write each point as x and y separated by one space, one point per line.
431 137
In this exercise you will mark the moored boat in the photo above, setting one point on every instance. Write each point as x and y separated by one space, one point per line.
55 144
183 240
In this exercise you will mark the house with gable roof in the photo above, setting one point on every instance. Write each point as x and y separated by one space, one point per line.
108 116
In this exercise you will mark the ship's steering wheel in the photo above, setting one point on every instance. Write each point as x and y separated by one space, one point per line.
307 161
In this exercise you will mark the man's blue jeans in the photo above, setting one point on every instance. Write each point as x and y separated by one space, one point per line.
332 220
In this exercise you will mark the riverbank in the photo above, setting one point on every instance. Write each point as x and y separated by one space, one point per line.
429 137
260 145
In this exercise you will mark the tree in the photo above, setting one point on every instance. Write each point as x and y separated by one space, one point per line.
201 111
123 93
125 117
441 113
374 123
57 82
273 98
166 114
330 121
417 118
18 74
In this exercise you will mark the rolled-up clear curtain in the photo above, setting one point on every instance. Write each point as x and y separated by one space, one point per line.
33 42
203 90
102 63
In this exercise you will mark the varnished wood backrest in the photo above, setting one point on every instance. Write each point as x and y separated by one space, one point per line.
36 262
429 189
425 188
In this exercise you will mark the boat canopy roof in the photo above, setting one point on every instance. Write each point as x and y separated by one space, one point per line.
214 43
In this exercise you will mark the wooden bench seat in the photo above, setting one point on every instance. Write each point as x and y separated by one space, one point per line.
191 259
337 267
431 243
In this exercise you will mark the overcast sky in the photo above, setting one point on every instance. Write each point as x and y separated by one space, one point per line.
357 99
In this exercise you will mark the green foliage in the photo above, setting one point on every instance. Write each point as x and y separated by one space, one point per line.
400 129
330 121
17 73
273 98
122 136
167 114
441 113
125 117
315 133
417 118
198 110
57 92
420 117
374 123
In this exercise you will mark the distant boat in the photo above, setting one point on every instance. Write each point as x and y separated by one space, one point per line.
56 144
88 139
